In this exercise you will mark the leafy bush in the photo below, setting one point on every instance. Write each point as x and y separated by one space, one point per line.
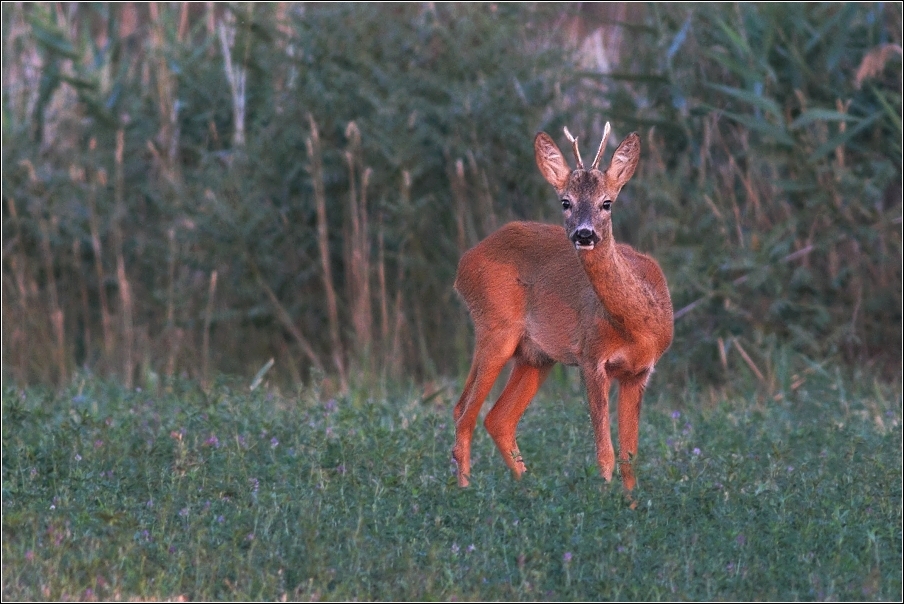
184 185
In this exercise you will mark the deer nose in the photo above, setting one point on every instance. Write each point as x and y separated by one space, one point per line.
584 236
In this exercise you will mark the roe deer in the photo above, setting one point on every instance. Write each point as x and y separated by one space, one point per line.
540 294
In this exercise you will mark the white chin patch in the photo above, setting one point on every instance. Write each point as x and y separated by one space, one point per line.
578 246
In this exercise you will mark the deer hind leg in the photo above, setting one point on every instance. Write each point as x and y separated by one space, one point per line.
502 420
630 395
598 384
490 356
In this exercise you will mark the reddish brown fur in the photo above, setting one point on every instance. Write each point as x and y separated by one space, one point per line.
536 299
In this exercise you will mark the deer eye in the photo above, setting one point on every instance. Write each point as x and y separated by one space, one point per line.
606 205
566 204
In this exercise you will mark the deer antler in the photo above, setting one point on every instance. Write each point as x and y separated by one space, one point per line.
599 154
574 146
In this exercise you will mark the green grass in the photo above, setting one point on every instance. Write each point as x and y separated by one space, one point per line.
236 495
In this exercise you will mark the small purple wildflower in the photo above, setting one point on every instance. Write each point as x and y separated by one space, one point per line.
250 537
696 451
741 539
274 442
676 414
78 457
331 405
790 469
455 548
213 441
255 484
471 548
220 519
29 555
341 469
172 549
183 512
566 557
98 444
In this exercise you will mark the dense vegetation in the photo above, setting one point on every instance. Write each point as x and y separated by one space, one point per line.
193 188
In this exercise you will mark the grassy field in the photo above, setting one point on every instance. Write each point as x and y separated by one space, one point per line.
265 495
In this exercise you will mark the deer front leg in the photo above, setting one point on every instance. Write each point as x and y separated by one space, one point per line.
598 399
630 395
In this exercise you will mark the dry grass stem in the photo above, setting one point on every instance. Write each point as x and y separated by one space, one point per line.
749 361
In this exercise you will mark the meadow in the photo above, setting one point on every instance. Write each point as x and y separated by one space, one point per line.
228 494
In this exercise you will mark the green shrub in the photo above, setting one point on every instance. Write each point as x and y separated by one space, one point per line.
769 187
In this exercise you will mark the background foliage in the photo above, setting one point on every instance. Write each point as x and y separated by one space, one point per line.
185 184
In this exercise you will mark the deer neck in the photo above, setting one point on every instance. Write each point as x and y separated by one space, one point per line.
622 293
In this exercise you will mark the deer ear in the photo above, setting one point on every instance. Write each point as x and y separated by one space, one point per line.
624 161
550 161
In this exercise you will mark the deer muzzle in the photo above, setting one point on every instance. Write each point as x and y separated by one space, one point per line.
584 238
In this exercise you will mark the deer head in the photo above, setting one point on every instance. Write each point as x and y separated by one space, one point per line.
587 195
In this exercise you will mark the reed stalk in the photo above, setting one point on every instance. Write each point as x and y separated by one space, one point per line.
315 168
171 338
358 247
205 342
125 289
56 312
83 294
381 283
106 317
